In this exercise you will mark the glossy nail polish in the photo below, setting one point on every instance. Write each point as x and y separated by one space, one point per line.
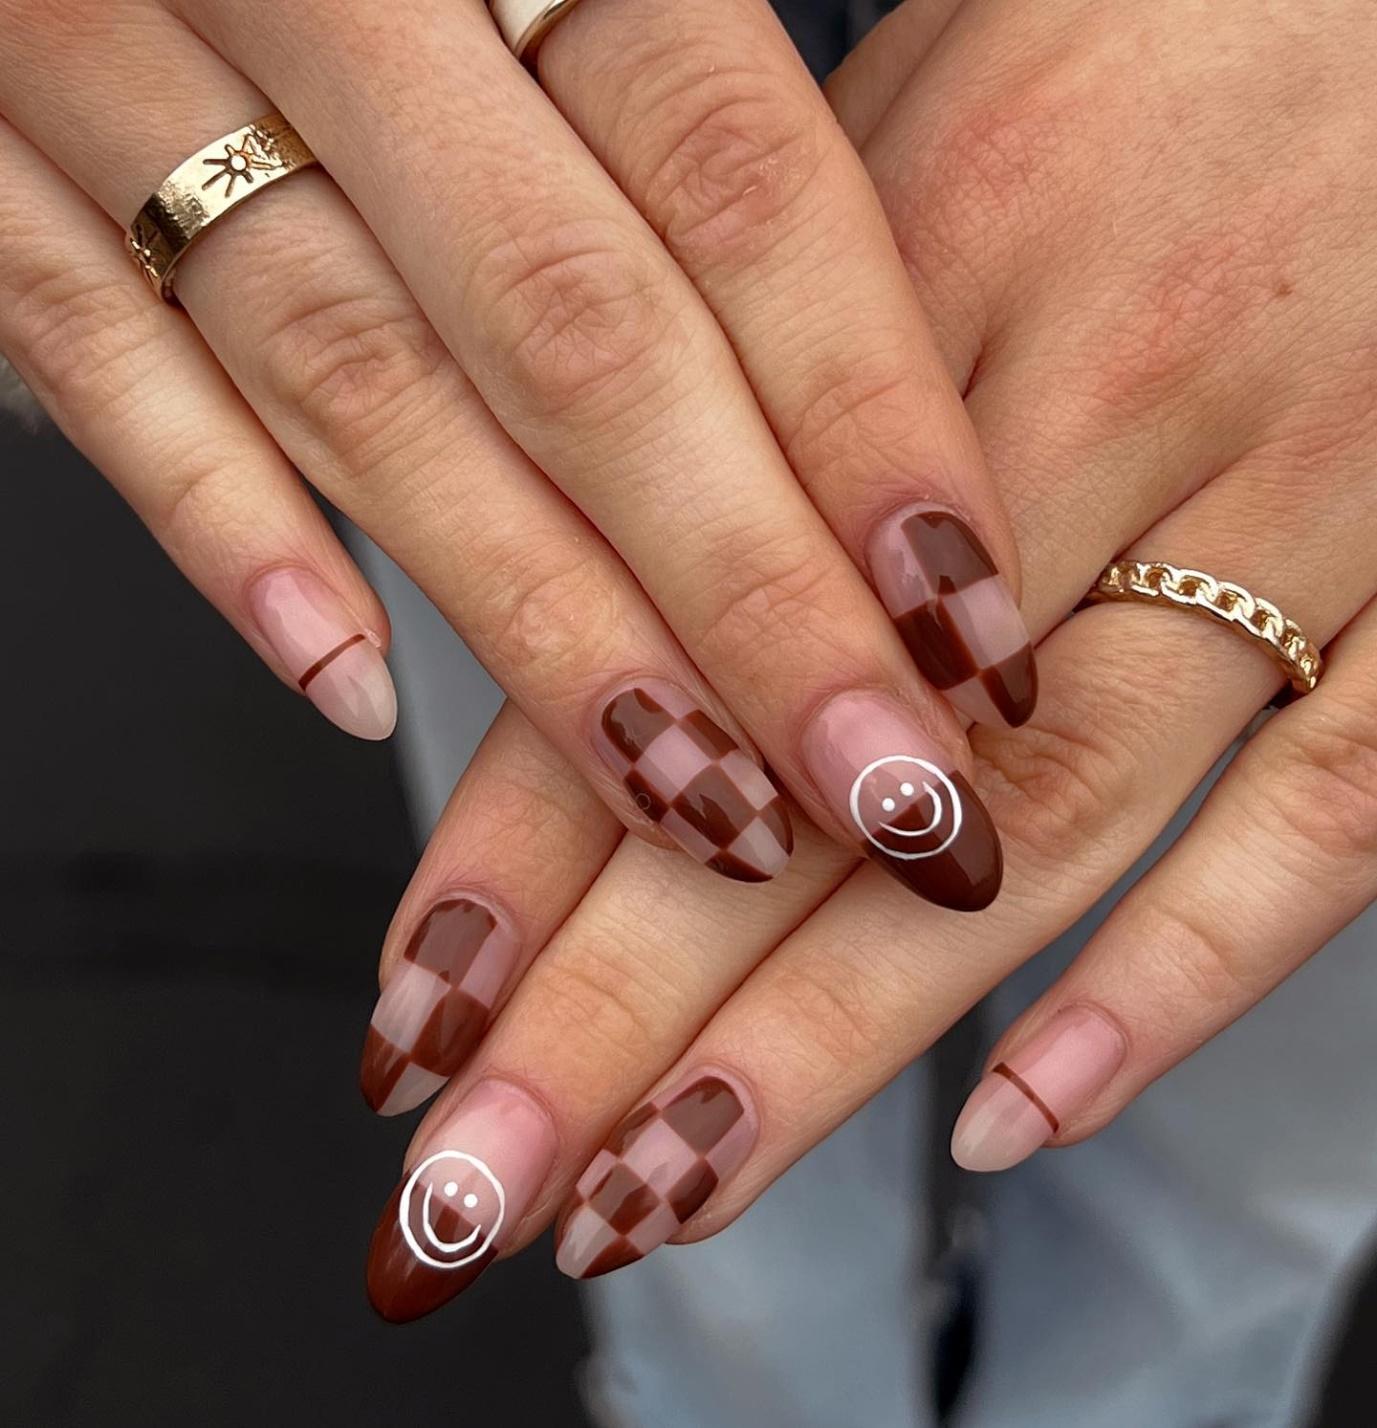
956 613
916 816
463 1195
336 662
654 1174
686 773
436 1004
1022 1102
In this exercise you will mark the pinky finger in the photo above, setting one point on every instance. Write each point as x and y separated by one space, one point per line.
136 390
1280 858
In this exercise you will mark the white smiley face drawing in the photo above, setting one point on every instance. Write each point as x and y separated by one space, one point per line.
461 1182
906 807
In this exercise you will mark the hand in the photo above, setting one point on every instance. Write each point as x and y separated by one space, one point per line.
1201 316
468 301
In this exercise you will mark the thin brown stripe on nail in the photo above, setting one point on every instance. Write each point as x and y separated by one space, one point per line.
1014 1079
334 654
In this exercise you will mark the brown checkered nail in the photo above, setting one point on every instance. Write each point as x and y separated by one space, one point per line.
436 1003
654 1174
687 774
955 613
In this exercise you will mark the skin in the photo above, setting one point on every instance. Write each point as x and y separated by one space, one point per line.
584 437
1165 342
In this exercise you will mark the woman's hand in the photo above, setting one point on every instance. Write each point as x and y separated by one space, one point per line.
1144 244
465 301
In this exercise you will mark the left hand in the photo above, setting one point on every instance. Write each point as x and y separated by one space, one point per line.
1149 267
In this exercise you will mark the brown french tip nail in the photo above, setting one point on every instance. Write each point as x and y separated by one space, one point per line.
437 1003
916 815
955 613
451 1215
655 1173
688 775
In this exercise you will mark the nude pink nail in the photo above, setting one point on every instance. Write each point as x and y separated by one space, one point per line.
333 658
1023 1101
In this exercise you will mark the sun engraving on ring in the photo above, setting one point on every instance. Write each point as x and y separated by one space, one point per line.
144 245
240 163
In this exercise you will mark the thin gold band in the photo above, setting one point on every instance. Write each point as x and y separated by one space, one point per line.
210 183
524 23
1154 582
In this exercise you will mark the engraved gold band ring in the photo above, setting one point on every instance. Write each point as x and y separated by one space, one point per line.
524 23
210 183
1155 582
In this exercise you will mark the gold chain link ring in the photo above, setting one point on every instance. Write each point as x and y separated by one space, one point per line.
210 183
1153 581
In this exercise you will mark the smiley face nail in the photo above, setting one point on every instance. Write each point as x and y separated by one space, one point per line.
909 808
454 1209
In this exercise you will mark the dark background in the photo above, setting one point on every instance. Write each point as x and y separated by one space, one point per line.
195 875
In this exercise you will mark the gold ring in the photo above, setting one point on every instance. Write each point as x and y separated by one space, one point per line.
524 23
1153 581
210 183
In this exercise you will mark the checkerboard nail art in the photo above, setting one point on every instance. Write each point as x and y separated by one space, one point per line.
654 1174
687 774
436 1004
955 613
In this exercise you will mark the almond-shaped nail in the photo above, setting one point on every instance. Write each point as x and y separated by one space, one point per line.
655 1173
955 613
917 816
687 774
1022 1102
463 1196
437 1003
334 660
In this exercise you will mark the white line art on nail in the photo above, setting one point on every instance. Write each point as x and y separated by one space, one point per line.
477 1241
887 787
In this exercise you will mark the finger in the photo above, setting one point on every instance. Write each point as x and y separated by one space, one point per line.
1278 860
598 356
649 952
705 115
518 844
843 1004
341 366
188 455
870 78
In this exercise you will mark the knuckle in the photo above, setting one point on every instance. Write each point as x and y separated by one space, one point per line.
775 589
855 414
548 611
603 1007
1196 961
356 366
1320 783
1058 792
826 1012
740 155
579 318
82 335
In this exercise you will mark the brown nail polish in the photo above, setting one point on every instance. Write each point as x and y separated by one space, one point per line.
687 774
956 613
654 1174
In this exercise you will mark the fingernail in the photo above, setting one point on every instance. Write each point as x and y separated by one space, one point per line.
1022 1102
334 660
436 1003
654 1174
956 613
451 1215
687 774
920 819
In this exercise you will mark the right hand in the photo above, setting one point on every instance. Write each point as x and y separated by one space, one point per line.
467 301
